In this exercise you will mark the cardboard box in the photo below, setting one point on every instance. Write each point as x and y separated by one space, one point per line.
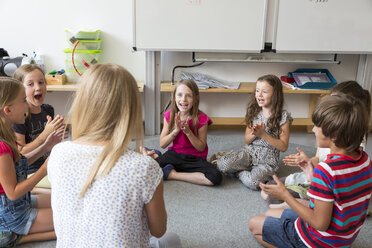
55 79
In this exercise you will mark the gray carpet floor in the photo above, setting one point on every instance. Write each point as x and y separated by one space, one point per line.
209 217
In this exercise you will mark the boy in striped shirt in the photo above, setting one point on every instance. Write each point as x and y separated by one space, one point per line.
340 190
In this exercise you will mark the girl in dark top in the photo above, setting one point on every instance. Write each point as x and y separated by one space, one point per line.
39 121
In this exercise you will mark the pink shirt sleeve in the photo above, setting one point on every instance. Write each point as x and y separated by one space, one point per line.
167 115
5 149
204 119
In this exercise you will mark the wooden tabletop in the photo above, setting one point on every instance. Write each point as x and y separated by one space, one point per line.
73 87
245 87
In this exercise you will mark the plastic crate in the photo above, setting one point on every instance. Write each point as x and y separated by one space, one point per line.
86 44
315 85
73 76
87 55
79 65
83 35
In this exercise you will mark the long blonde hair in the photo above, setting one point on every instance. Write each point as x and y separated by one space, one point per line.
10 88
107 108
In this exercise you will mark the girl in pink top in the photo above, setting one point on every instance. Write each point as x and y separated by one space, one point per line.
23 217
185 126
181 143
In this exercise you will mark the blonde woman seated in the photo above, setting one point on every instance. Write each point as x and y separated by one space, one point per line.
103 194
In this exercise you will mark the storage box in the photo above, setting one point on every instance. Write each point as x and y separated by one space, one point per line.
86 44
315 85
78 64
87 55
83 35
55 79
73 76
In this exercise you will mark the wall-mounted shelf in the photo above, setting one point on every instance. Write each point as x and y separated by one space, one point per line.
63 87
248 87
69 87
72 87
245 87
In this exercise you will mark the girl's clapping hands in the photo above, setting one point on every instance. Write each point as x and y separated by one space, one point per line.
259 129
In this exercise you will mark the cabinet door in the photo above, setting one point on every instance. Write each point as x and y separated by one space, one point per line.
334 26
199 25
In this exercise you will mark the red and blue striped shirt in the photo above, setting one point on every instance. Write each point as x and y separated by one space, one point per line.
347 182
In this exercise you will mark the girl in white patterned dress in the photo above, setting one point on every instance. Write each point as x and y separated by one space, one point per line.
103 194
266 135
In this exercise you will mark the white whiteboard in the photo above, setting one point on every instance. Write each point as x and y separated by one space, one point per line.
340 26
199 25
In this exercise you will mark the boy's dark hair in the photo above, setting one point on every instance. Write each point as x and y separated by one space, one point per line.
352 88
344 120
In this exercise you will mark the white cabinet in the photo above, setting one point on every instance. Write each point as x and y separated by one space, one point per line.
292 26
330 26
199 25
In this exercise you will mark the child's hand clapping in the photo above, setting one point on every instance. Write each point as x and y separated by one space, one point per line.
308 167
53 125
259 129
295 159
185 126
177 124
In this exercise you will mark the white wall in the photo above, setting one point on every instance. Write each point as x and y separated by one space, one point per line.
40 25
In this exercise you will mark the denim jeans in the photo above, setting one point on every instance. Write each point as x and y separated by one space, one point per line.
281 232
17 216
